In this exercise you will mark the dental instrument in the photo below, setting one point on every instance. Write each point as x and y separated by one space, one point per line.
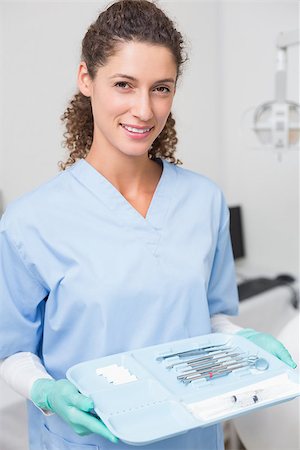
192 352
208 375
218 365
258 363
201 358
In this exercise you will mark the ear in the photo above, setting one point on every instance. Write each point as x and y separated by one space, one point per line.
84 81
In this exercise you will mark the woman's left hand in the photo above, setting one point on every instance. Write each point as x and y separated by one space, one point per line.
270 344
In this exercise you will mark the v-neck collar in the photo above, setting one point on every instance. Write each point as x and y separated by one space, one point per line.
116 202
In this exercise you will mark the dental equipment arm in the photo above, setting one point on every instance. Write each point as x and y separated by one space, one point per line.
220 323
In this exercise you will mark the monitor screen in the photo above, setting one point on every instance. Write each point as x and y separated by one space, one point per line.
236 232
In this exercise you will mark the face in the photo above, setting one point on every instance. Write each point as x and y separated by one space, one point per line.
131 97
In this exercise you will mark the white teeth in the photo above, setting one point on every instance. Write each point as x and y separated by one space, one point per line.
137 130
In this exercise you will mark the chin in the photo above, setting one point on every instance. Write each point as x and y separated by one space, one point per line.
135 153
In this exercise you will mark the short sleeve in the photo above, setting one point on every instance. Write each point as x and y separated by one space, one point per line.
22 300
222 288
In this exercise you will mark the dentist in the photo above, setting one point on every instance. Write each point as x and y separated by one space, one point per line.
124 248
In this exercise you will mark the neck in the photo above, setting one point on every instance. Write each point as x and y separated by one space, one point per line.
129 174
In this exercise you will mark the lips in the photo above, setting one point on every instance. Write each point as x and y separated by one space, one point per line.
136 129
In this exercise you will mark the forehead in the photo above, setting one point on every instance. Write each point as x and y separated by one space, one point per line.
137 58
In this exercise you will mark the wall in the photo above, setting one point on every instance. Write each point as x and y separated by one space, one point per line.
196 103
41 48
266 188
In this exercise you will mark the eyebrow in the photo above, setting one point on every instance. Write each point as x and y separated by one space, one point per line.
129 77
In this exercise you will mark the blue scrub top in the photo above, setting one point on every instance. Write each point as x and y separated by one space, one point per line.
84 275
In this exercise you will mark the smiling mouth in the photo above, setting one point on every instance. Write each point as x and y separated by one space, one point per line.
137 130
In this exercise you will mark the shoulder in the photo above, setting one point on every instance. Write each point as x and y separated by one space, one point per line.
195 181
37 202
198 192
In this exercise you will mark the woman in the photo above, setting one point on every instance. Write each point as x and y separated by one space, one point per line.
121 250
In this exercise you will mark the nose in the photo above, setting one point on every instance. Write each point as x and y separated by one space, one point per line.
142 107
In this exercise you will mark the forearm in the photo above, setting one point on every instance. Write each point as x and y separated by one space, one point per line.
21 370
220 323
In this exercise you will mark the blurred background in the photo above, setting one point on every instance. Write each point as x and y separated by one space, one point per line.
231 68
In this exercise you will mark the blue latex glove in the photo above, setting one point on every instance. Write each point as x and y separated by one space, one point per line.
268 343
62 398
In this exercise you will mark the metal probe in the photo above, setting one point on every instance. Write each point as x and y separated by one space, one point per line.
195 351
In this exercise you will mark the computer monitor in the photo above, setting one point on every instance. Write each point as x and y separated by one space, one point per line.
236 232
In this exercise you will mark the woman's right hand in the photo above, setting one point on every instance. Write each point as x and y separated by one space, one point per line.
62 398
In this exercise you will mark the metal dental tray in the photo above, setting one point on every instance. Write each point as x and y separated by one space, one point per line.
157 392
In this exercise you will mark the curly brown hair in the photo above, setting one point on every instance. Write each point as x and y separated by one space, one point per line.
122 21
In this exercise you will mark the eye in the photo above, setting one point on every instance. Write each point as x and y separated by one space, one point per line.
122 84
163 89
